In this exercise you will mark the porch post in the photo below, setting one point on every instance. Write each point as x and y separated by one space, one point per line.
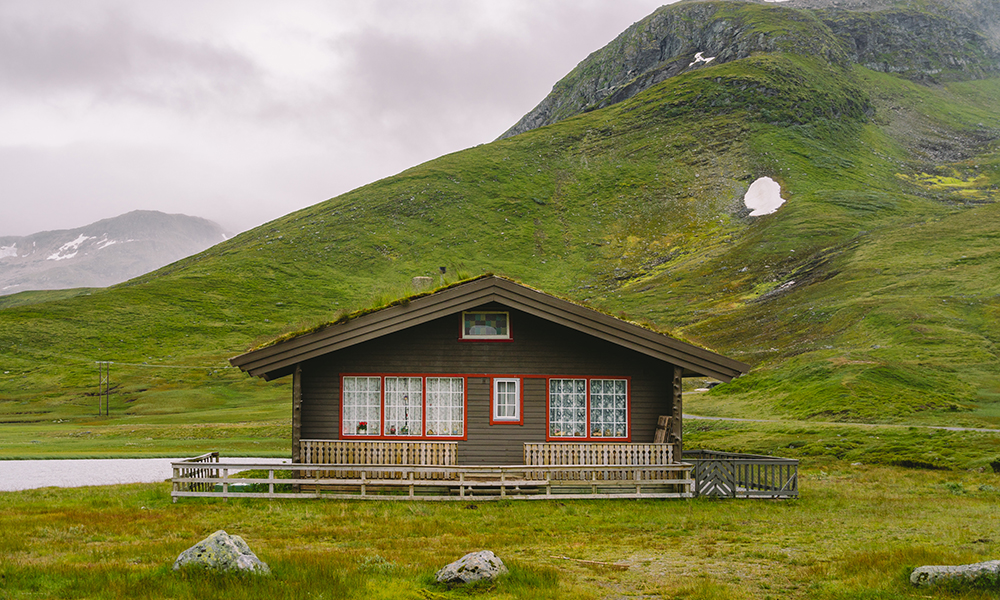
296 413
675 435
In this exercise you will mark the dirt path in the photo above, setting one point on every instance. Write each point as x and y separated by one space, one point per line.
782 422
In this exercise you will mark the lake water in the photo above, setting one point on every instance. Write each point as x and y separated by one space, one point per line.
30 474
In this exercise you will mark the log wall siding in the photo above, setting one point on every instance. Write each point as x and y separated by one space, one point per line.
539 349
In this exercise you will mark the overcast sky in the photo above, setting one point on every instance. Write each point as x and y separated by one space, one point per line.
242 111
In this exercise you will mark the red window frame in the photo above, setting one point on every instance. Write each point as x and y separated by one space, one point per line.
588 437
346 435
461 328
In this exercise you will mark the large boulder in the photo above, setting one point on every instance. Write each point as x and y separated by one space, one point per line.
988 571
473 567
222 552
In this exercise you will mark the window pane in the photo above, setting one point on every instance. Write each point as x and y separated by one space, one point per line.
404 397
505 399
362 405
485 325
567 408
445 406
608 408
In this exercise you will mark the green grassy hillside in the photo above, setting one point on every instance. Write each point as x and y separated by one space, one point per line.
872 294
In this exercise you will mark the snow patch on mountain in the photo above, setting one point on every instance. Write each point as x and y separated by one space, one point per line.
6 251
699 58
104 242
763 197
69 249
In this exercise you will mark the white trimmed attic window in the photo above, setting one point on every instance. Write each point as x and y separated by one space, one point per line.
485 325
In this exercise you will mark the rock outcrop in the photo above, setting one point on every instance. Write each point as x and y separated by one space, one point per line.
914 44
933 42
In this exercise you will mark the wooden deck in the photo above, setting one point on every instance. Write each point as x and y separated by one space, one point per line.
427 471
207 476
379 470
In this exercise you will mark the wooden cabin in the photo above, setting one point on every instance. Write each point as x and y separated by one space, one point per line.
486 372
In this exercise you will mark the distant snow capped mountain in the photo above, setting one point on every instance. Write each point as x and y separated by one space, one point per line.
104 253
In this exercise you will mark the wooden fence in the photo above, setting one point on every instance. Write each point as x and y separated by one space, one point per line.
427 471
732 475
378 453
199 467
616 454
351 452
411 482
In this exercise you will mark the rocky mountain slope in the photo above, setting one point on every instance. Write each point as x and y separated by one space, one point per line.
922 41
104 253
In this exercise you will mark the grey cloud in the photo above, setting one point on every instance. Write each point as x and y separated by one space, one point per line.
113 59
242 147
426 82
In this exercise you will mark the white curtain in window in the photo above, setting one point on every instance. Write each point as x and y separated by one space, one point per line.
404 400
362 405
445 406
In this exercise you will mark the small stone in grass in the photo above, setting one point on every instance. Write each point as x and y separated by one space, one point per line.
474 566
222 552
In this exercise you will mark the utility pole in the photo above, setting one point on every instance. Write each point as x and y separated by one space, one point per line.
104 386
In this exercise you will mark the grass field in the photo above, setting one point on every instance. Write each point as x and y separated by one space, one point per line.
856 532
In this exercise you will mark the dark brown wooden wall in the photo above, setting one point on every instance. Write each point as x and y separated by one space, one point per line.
539 348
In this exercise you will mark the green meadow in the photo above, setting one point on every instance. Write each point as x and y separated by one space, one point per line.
856 532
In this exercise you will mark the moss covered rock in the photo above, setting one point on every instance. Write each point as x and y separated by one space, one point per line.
222 552
472 567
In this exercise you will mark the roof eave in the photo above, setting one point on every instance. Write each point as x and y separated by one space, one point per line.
270 361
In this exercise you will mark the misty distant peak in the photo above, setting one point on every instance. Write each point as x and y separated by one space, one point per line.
103 253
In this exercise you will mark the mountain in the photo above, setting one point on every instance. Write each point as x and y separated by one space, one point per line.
104 253
872 293
921 41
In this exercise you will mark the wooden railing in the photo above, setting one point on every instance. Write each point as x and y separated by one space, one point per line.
410 482
731 475
375 470
616 454
204 466
417 453
378 452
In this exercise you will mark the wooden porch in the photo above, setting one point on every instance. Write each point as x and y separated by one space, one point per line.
427 471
